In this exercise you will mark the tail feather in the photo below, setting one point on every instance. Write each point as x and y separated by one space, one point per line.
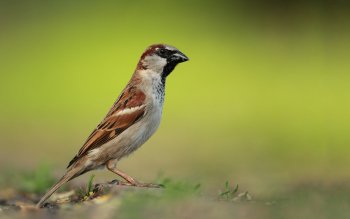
72 173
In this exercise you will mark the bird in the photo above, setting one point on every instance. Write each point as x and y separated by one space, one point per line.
132 120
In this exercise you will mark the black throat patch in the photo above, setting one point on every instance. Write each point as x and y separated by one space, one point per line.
168 68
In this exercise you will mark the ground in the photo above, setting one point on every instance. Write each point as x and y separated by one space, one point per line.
177 199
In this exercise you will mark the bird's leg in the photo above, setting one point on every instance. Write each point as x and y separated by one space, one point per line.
129 180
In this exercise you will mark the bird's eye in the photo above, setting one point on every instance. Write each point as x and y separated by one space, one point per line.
162 51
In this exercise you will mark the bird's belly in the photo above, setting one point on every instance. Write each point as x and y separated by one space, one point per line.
140 133
129 140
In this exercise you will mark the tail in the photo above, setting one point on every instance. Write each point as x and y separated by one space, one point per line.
71 173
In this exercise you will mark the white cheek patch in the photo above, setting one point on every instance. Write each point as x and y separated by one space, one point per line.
155 63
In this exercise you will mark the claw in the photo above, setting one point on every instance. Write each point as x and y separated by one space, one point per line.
136 184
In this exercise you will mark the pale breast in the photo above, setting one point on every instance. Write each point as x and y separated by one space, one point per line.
137 134
132 138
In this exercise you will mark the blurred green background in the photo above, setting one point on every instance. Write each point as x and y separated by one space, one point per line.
263 101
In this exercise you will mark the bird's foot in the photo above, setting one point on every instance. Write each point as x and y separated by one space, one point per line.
148 185
134 183
137 184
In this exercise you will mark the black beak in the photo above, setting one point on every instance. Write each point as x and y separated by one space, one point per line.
179 57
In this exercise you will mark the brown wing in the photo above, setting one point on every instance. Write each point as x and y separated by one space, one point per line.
126 111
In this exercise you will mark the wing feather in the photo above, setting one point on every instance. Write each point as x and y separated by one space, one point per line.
126 111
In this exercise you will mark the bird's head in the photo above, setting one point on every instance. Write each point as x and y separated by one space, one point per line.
161 59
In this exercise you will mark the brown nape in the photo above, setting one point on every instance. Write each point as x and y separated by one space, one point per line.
140 66
149 51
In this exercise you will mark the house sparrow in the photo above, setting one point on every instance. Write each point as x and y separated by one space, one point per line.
131 121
